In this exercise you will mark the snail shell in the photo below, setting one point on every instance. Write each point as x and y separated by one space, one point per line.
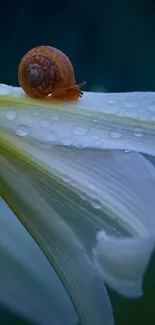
46 70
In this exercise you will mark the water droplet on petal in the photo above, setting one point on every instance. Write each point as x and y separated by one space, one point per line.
94 137
138 132
11 114
51 136
111 101
88 114
83 197
131 114
80 144
110 106
98 143
80 129
22 130
65 179
130 104
109 109
35 112
91 186
96 204
115 135
55 117
127 150
45 124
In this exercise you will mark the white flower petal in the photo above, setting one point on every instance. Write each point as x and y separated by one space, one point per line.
60 244
28 284
123 261
61 148
94 190
97 120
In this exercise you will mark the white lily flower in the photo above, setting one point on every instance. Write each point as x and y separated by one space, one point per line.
78 177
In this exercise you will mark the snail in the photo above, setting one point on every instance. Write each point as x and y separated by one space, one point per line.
45 70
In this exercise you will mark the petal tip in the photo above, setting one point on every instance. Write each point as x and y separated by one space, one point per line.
122 262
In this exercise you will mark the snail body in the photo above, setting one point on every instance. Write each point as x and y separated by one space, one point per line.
45 70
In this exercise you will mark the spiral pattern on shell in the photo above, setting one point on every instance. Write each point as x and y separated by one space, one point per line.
34 74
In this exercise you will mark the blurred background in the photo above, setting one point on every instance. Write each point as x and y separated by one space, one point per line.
111 45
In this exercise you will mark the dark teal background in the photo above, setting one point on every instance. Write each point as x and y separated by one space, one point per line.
112 46
110 43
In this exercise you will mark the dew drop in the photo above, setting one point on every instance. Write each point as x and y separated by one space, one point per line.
11 114
83 197
98 143
131 114
45 124
22 130
51 136
151 107
96 204
87 114
109 109
130 105
55 117
91 186
35 112
115 135
80 130
94 137
111 101
138 132
127 150
65 179
80 144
